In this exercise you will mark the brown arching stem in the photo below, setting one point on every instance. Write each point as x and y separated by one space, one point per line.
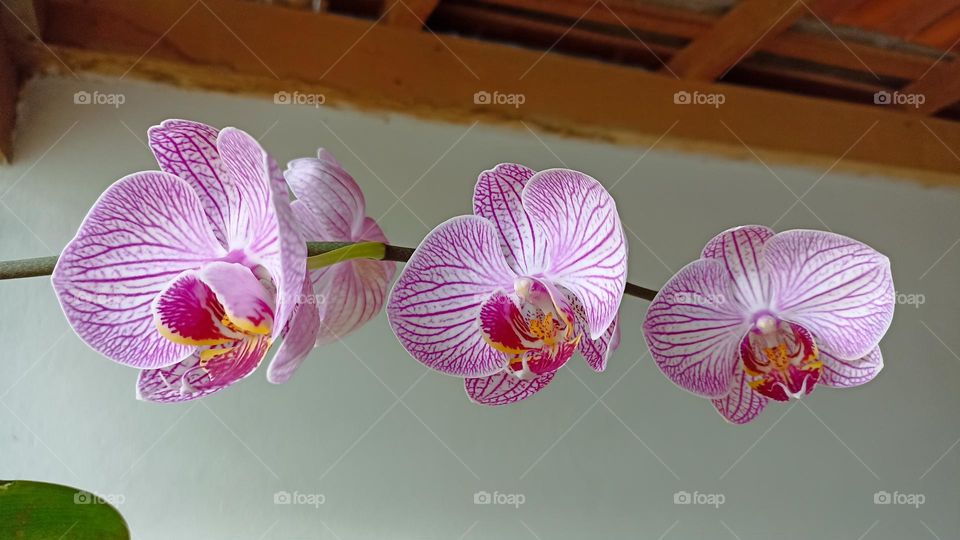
43 266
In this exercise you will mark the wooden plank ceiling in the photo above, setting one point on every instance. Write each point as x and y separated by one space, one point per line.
800 78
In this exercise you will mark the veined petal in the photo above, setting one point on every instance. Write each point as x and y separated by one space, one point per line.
188 312
350 294
245 302
693 328
840 373
433 307
261 221
742 404
504 388
334 200
497 198
739 250
189 380
586 247
839 289
143 231
189 150
300 338
597 351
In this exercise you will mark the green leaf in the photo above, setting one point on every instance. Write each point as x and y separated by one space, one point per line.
41 511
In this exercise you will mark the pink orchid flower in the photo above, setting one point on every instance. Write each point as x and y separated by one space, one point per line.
188 274
338 299
764 316
503 298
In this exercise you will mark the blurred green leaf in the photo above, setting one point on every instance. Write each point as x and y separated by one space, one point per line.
41 511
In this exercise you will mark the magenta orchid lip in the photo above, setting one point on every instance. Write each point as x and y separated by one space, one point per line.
191 274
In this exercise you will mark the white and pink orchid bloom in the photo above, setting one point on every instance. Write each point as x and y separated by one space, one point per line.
764 316
503 298
187 274
338 299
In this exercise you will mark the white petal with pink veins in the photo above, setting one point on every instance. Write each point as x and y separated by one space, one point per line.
144 231
504 388
740 250
434 305
839 289
497 197
587 251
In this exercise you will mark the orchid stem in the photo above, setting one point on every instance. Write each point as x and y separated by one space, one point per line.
361 250
43 266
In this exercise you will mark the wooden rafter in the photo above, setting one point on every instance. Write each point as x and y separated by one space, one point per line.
940 88
408 13
733 37
395 69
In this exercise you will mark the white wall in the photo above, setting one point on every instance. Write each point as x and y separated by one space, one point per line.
209 470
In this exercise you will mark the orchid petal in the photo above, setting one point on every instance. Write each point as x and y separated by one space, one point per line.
142 232
261 221
504 388
189 380
840 373
300 338
433 307
693 328
497 197
189 150
352 294
597 351
839 289
188 312
742 404
740 249
246 303
586 247
334 200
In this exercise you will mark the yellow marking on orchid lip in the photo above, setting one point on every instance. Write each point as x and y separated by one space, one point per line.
502 348
183 340
207 355
817 365
241 324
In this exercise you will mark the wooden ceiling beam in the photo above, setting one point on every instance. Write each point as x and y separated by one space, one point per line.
254 48
939 88
733 37
408 13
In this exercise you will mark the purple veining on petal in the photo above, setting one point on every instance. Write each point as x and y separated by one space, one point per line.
739 249
597 351
262 223
188 380
189 150
586 246
504 388
742 404
497 197
434 305
300 338
694 326
840 373
839 289
142 232
334 200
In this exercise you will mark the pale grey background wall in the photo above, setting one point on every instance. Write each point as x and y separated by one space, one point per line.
398 452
